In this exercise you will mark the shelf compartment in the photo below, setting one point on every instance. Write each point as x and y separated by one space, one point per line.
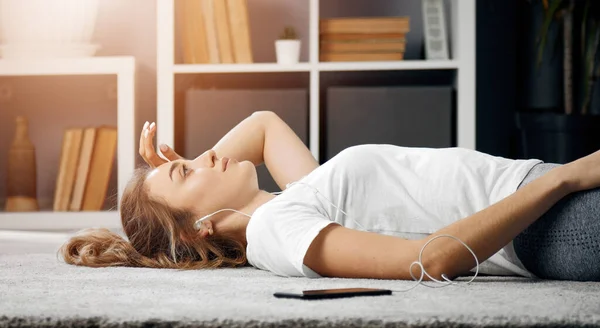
50 115
52 221
239 68
37 71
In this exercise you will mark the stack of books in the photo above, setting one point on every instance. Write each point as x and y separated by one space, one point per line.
214 31
86 163
363 38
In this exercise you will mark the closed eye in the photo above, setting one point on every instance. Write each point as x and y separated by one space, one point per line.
184 170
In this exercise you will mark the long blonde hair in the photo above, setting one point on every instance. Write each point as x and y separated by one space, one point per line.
159 237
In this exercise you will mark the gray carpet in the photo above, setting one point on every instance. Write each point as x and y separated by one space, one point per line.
39 290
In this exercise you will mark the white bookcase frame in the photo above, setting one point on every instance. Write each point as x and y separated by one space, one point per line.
462 42
124 68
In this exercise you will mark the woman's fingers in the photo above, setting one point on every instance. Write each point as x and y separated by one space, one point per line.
147 150
149 154
169 153
141 148
143 142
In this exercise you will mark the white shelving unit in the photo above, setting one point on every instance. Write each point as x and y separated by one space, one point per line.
462 20
124 68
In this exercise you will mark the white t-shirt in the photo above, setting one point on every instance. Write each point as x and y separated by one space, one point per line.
399 191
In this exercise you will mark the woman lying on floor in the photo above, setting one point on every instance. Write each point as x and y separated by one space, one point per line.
366 213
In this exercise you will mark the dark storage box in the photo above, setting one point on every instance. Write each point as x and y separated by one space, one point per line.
405 116
210 114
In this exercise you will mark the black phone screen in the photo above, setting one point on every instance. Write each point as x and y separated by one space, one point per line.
333 293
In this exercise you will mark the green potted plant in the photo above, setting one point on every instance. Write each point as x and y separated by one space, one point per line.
572 131
287 47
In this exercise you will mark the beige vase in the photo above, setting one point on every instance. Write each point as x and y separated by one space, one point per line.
22 181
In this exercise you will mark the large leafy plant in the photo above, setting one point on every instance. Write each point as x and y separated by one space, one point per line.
562 12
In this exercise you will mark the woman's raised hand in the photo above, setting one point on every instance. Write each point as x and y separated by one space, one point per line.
147 147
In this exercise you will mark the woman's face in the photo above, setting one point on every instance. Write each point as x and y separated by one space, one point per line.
205 184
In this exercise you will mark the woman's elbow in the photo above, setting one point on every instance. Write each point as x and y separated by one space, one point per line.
266 114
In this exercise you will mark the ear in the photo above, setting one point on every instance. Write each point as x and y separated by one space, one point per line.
207 226
205 229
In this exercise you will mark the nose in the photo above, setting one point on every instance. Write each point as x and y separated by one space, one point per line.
209 158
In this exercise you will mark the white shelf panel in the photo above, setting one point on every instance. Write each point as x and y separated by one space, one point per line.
66 66
305 67
388 65
240 68
59 220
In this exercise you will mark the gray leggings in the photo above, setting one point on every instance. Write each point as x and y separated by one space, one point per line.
564 243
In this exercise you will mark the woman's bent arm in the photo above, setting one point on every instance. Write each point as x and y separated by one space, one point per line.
487 231
263 137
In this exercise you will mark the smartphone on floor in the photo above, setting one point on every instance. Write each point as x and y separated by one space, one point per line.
333 293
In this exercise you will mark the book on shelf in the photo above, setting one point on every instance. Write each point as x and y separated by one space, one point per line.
193 35
214 31
101 164
345 57
363 38
223 32
368 47
83 168
239 22
86 162
208 10
371 25
69 156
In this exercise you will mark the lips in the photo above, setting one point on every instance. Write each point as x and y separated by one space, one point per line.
225 161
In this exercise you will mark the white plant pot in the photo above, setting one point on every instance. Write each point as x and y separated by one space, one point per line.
287 51
44 28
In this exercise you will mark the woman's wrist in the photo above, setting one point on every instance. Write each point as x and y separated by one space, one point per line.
565 180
